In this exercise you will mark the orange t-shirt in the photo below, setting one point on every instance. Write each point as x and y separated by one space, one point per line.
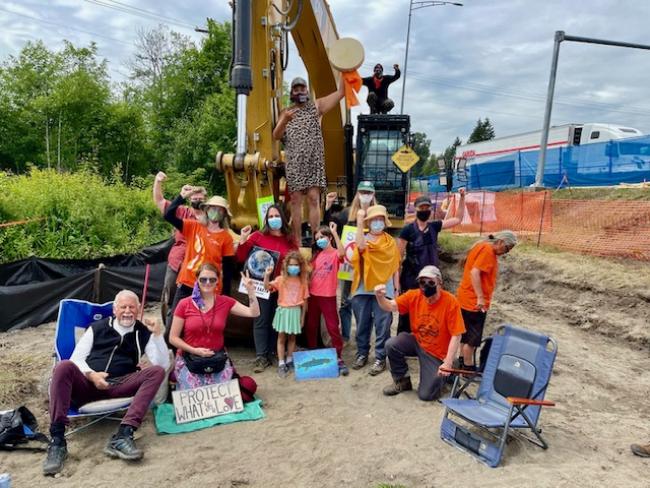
292 292
432 324
483 257
203 246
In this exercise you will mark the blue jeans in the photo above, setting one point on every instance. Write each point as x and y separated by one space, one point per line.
366 312
345 310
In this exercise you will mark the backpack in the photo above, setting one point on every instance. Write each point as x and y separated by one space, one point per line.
17 427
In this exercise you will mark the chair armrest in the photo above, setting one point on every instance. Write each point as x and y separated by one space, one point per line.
461 371
529 401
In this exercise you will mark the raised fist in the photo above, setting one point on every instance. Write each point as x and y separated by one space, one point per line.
160 176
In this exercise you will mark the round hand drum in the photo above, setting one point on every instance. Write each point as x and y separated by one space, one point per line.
346 54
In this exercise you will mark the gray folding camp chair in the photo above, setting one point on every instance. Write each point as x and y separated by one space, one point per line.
509 398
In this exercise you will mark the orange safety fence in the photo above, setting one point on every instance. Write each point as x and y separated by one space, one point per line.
611 228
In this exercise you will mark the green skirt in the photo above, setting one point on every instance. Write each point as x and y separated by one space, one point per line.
287 320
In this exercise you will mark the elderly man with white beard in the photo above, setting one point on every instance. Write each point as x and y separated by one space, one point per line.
106 364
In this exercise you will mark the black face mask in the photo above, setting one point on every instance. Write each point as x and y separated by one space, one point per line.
423 215
196 205
300 98
429 290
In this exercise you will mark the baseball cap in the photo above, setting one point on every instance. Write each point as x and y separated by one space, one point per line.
430 272
422 199
298 81
366 186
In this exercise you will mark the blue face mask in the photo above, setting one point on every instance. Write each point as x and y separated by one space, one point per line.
322 242
377 226
293 270
275 223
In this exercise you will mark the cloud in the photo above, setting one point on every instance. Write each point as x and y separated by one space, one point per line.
486 59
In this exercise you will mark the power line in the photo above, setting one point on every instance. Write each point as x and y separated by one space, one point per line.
67 27
141 13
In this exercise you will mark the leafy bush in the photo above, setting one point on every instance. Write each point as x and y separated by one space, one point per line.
83 216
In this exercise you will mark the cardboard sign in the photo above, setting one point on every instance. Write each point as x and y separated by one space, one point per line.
256 263
316 364
349 243
263 205
207 401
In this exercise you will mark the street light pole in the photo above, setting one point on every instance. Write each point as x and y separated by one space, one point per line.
415 6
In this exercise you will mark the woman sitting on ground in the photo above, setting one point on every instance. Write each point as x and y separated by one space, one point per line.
198 327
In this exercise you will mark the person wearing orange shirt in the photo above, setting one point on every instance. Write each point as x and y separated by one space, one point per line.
436 328
208 242
476 288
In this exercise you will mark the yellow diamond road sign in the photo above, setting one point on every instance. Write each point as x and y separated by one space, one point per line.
404 158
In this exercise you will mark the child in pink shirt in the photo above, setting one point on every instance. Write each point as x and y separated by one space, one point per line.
293 291
322 289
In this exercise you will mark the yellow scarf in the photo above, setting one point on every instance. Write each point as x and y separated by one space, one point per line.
378 262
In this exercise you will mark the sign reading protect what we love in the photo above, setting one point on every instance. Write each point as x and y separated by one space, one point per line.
207 401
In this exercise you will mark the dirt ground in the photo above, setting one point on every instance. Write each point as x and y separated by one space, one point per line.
344 432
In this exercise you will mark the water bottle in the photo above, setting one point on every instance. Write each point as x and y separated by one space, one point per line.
5 480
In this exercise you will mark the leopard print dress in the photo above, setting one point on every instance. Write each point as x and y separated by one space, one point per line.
304 148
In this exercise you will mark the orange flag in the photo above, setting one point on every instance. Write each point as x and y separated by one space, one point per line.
353 83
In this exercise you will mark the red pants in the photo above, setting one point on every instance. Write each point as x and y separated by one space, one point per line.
70 386
327 307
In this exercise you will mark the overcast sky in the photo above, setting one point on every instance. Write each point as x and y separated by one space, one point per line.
488 58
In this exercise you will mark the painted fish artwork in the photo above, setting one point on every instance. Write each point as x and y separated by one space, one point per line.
316 364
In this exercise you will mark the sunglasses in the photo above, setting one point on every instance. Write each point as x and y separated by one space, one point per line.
205 280
426 282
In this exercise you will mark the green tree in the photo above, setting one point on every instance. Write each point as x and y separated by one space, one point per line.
422 147
483 131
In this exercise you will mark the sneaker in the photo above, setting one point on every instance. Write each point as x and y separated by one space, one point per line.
639 450
123 446
360 362
261 363
398 386
56 454
291 366
343 369
379 366
283 371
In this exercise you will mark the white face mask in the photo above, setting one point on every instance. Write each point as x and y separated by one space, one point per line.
365 199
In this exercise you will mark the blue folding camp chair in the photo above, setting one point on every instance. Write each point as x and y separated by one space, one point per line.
79 314
509 398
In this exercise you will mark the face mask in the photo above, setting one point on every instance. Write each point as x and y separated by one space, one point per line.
293 270
429 290
275 223
365 199
299 98
202 219
196 204
379 73
423 215
322 242
215 214
376 226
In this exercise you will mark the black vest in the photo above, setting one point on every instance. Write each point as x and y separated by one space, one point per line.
115 354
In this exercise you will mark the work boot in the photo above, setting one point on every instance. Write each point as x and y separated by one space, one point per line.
639 450
398 386
123 446
57 451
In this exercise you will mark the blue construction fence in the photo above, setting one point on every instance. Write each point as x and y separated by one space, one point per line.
597 164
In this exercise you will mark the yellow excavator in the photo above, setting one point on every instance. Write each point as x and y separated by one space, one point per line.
261 31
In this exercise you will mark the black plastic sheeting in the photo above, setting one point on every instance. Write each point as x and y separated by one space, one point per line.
31 289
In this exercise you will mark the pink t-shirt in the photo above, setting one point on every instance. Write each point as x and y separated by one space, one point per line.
324 278
291 290
177 252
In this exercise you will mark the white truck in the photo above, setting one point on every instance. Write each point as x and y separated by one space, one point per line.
558 136
511 161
